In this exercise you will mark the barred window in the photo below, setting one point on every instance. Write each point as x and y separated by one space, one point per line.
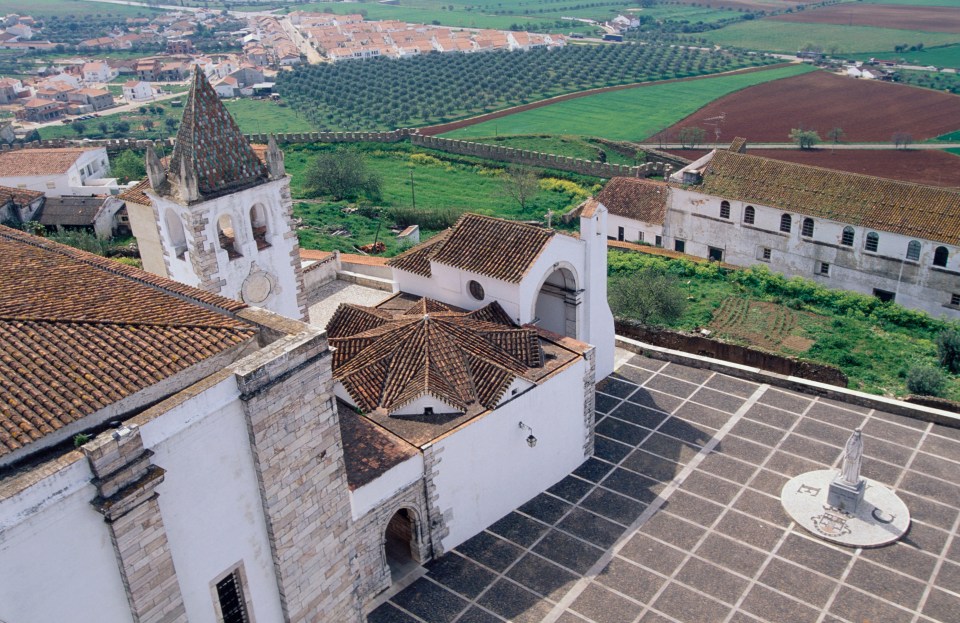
786 223
873 241
749 215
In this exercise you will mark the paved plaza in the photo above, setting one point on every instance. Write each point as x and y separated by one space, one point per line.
677 517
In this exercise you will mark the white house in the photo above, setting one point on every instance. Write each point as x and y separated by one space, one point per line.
58 171
892 239
137 91
98 72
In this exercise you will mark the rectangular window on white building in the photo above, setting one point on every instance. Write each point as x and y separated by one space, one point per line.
823 269
231 603
764 254
955 300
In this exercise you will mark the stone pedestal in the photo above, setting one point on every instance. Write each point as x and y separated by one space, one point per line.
843 496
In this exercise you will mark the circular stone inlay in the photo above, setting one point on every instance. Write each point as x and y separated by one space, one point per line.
880 518
256 288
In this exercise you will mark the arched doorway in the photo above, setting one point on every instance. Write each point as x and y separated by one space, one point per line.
400 544
557 303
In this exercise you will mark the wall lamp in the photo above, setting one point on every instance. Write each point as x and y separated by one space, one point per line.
531 440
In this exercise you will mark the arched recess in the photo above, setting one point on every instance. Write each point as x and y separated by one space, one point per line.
401 543
557 301
178 238
258 225
227 234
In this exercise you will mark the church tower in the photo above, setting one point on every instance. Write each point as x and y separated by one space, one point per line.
218 214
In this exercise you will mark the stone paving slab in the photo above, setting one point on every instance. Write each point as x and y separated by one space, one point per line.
677 518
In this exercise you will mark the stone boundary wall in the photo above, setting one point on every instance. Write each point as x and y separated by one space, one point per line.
733 353
937 403
539 159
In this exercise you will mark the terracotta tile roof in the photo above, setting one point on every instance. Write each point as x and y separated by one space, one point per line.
48 161
79 332
210 143
636 198
136 194
369 450
898 207
386 360
485 245
18 196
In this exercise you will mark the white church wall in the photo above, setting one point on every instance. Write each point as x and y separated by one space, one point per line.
368 497
210 500
633 231
492 454
915 283
52 541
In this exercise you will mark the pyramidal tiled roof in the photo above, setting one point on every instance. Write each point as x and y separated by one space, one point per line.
485 245
387 360
211 145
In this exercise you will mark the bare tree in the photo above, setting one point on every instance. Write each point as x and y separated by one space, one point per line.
902 139
691 137
520 184
835 134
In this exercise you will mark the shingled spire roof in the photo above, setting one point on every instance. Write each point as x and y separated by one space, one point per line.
386 360
210 150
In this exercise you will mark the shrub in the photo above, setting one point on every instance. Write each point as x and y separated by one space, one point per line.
926 381
948 349
649 296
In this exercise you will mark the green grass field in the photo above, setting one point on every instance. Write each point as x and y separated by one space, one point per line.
631 114
570 146
440 182
788 37
77 8
945 56
259 116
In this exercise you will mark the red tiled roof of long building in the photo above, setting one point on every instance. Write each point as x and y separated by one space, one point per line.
636 198
387 360
886 205
79 332
39 161
485 245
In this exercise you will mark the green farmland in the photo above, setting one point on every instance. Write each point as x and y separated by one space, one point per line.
631 114
944 56
77 9
788 37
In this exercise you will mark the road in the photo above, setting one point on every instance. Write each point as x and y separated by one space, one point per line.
313 57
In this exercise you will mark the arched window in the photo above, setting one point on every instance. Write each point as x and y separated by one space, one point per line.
913 250
258 226
724 209
749 215
940 256
873 241
178 238
807 228
847 238
227 236
786 223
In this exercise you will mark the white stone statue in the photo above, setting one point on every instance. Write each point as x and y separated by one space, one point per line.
852 459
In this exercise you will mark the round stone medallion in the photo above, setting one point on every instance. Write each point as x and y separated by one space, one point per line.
880 518
256 288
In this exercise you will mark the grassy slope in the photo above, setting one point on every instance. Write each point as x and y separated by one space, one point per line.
570 146
77 8
788 37
256 116
874 355
632 114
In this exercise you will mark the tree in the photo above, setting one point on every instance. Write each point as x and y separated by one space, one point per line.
104 127
78 127
835 134
128 166
902 139
691 137
520 185
147 125
649 296
948 350
171 123
343 174
122 127
805 139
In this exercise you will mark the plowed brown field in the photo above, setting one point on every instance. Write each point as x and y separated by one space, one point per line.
936 168
867 110
749 5
927 18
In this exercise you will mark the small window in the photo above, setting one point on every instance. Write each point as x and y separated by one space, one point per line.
847 238
640 236
940 256
824 269
714 254
807 228
724 209
658 241
884 295
620 234
680 246
51 184
765 254
786 223
955 300
913 250
233 608
749 215
428 410
475 289
873 241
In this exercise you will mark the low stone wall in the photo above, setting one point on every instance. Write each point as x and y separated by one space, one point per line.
733 353
937 403
540 159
